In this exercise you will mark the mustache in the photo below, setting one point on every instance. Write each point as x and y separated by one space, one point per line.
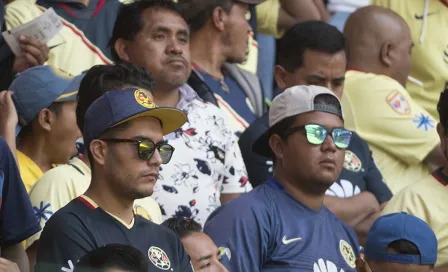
181 59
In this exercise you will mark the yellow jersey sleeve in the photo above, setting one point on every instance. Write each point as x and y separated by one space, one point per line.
426 200
429 63
267 18
383 114
53 191
29 171
148 208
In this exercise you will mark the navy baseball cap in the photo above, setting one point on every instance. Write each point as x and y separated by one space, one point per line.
38 87
117 107
401 226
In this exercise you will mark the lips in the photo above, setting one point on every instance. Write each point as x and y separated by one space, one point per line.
177 61
328 162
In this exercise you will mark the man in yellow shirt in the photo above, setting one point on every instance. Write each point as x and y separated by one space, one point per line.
400 133
426 199
62 184
45 100
428 21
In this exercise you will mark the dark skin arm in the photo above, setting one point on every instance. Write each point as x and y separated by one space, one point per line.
16 254
293 11
358 211
32 254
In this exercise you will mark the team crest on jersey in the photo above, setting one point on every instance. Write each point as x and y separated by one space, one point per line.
225 251
142 212
398 102
352 162
159 258
143 97
348 253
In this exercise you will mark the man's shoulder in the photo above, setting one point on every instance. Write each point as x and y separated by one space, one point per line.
59 177
69 215
22 10
360 82
256 201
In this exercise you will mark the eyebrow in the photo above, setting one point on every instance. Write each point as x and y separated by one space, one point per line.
318 77
142 138
165 29
208 256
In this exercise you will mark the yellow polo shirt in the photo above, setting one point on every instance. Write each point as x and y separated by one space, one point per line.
426 199
29 171
64 183
400 132
430 53
267 18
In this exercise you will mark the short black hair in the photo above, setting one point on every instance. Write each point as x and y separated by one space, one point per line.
442 108
55 107
312 35
182 226
110 256
103 78
130 21
197 17
404 247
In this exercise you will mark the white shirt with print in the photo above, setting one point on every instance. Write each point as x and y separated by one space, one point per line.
206 163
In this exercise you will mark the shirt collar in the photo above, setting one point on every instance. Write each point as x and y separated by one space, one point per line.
187 94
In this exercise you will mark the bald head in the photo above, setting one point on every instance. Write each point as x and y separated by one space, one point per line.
377 39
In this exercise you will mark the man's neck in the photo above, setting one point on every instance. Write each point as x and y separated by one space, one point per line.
207 53
35 149
167 98
445 170
311 200
106 200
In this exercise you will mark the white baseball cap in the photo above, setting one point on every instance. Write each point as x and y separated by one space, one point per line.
293 101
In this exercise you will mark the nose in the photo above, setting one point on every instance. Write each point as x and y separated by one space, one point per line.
156 159
174 48
328 144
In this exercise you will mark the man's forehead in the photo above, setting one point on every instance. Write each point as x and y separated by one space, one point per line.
161 17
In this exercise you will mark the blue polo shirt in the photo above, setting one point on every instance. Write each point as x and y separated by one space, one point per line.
268 230
17 218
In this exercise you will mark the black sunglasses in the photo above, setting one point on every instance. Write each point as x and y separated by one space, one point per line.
146 148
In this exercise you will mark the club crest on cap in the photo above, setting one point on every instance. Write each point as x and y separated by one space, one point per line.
143 97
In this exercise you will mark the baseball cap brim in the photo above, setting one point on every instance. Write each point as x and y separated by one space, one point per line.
261 146
171 118
71 92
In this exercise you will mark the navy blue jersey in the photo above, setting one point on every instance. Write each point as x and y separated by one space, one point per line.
268 230
81 226
17 218
359 173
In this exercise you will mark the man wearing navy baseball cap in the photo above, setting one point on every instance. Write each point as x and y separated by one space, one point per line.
45 100
123 134
399 242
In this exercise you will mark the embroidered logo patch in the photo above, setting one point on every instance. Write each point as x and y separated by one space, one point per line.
143 97
142 212
398 102
352 162
348 253
423 121
159 258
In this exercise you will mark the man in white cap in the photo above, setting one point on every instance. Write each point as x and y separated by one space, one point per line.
283 224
